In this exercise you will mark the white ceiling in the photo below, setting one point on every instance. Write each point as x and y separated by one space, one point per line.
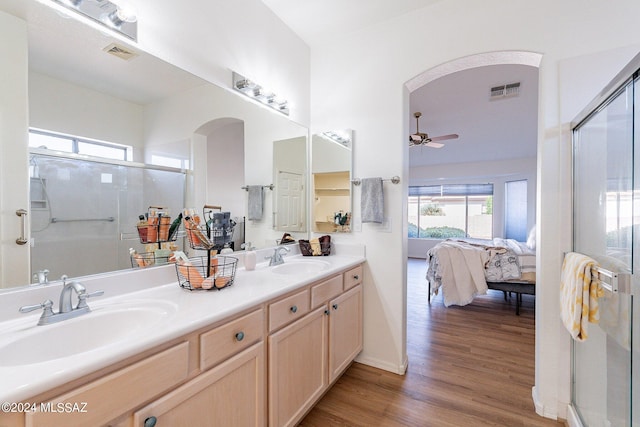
489 129
320 20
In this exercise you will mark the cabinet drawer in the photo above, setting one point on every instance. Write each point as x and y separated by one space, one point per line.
326 290
352 277
220 343
288 309
119 392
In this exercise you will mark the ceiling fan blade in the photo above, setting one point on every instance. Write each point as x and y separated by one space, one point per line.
445 137
434 144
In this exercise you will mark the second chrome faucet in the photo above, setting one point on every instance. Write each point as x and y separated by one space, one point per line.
276 258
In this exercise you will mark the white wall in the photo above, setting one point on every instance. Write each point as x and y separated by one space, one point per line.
63 107
225 168
368 96
14 192
496 173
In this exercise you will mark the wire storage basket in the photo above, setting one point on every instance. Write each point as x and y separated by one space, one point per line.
149 259
157 227
196 235
206 273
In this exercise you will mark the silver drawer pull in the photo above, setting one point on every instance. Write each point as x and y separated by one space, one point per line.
239 336
294 308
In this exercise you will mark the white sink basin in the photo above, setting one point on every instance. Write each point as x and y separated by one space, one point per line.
297 267
103 326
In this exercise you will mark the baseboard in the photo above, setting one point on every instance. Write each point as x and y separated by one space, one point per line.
550 412
573 420
386 366
536 402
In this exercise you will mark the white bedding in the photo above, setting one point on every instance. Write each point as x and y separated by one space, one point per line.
461 268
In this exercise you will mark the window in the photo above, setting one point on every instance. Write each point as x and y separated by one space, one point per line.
453 210
516 210
73 144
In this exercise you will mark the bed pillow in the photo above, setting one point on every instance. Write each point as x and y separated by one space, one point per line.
531 239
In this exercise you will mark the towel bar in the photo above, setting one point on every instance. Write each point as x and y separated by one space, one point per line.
393 179
246 187
617 282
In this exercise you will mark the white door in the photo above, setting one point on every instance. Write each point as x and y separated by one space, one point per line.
290 202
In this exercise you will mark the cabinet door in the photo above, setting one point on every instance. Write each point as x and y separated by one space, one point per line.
231 394
297 368
345 330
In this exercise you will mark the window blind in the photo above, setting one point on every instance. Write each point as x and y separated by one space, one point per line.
452 190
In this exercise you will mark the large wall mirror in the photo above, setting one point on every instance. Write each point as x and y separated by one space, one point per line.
210 141
289 177
331 160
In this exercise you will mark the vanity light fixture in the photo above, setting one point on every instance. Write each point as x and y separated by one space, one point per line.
339 137
259 93
118 15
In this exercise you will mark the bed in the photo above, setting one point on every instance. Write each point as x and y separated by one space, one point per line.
463 268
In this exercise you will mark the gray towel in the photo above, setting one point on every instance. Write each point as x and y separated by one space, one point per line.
256 200
372 200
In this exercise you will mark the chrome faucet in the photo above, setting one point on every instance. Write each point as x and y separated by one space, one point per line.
276 258
41 276
66 304
66 309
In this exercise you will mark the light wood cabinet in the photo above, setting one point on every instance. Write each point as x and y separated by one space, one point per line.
231 394
297 368
352 277
307 356
345 331
115 394
267 365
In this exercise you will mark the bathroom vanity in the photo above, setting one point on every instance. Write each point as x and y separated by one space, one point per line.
261 352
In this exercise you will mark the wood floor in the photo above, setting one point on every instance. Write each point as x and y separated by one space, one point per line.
468 366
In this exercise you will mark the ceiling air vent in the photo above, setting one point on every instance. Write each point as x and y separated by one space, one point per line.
505 91
120 51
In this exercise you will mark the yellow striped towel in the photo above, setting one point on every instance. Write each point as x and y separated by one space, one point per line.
579 293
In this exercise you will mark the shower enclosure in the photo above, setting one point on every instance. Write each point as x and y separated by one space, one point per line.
606 209
84 212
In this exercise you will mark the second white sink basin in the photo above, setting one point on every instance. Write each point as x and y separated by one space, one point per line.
301 267
103 326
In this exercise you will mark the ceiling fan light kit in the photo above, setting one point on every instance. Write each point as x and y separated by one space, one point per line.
420 138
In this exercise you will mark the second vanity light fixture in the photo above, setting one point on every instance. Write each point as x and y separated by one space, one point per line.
341 137
118 15
257 92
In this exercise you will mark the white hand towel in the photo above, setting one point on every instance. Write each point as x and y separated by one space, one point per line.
256 202
372 200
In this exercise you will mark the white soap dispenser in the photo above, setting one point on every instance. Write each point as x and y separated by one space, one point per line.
249 256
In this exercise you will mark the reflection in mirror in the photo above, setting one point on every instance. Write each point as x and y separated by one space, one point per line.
79 207
162 114
289 175
331 160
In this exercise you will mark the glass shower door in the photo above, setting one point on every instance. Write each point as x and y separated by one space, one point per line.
603 229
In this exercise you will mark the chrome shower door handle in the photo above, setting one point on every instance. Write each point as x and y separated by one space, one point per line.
22 240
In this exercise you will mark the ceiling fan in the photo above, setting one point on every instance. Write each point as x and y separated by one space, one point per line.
420 138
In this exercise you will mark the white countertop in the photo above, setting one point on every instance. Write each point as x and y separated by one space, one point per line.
190 310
